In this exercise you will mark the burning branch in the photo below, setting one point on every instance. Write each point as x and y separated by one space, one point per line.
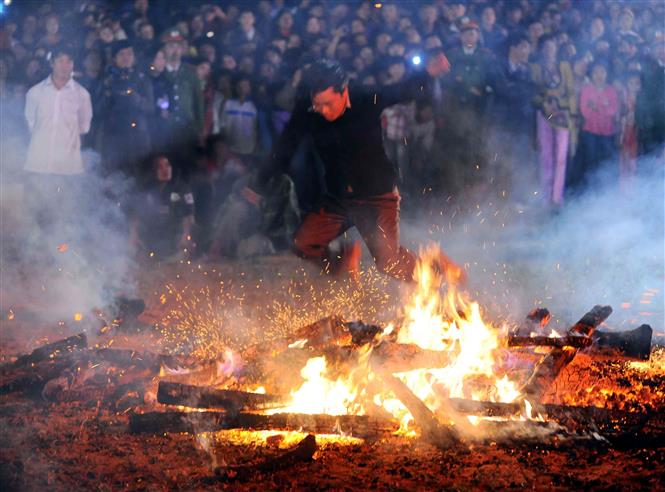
549 368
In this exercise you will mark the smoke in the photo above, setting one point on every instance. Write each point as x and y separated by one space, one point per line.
603 247
64 250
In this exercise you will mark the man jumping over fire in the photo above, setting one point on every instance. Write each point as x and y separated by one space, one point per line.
360 181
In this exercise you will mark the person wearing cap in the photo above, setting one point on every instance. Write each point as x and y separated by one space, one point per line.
126 106
186 108
360 181
469 87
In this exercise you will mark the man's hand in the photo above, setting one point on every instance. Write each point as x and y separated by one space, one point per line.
252 196
438 66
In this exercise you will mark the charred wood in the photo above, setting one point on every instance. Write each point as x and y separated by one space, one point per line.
560 342
561 413
535 320
204 397
550 366
303 451
50 351
33 377
634 343
208 421
432 430
590 321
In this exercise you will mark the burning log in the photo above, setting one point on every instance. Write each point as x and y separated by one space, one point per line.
559 342
634 343
205 397
550 410
535 320
432 430
277 371
207 421
621 428
550 366
303 451
51 350
403 357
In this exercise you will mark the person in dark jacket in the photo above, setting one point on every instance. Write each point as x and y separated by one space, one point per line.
360 179
513 118
467 97
127 103
650 110
185 116
162 213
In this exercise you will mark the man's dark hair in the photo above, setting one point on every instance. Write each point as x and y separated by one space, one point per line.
62 50
515 39
326 73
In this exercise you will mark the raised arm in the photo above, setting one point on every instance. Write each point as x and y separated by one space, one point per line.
413 87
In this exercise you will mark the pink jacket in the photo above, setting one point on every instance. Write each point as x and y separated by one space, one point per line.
599 108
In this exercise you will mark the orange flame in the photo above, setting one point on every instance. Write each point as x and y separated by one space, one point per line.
434 321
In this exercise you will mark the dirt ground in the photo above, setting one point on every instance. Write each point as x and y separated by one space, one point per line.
204 308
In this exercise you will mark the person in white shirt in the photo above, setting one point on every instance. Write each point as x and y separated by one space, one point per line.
58 112
239 122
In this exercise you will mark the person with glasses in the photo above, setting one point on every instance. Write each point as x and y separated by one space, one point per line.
344 124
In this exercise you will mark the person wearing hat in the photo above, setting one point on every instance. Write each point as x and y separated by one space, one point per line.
127 103
186 109
469 88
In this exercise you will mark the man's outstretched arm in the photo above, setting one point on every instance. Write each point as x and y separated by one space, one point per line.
414 87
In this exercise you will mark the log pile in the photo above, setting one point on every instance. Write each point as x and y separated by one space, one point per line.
56 372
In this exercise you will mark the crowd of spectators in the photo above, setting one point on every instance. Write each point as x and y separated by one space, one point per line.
185 99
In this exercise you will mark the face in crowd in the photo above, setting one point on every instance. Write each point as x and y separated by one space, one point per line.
163 169
521 51
470 37
173 51
599 75
63 67
125 58
330 104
